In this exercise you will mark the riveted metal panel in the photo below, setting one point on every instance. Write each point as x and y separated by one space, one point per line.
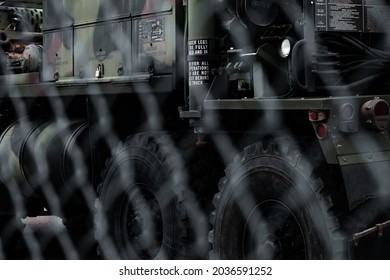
106 45
58 54
154 43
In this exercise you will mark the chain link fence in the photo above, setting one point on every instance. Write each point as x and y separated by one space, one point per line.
95 162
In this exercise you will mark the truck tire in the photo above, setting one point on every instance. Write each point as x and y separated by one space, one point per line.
272 205
138 213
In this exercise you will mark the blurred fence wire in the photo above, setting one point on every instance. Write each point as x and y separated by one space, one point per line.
95 162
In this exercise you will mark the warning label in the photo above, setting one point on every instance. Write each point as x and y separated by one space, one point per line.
198 67
199 73
198 47
351 15
151 30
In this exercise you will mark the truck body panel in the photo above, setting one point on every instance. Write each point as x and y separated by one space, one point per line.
104 105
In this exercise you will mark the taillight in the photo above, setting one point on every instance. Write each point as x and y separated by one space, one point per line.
322 131
381 109
376 114
318 118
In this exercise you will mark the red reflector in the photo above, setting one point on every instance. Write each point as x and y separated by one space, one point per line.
381 109
313 116
321 131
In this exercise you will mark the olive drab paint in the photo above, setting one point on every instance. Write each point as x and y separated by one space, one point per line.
160 127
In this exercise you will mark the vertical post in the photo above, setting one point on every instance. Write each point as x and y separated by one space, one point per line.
201 50
310 45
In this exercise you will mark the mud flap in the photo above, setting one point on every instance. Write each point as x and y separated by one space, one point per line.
365 181
371 244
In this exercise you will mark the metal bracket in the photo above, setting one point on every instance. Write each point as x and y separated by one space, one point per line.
190 114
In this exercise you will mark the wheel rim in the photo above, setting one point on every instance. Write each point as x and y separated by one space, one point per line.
273 231
141 224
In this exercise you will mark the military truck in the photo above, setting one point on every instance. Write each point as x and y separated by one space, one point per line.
222 129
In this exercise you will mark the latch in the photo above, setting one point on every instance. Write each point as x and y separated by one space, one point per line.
99 71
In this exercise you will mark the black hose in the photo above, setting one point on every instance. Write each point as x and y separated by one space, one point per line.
294 60
352 85
350 69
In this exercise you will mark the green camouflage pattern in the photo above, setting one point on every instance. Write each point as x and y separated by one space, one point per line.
108 39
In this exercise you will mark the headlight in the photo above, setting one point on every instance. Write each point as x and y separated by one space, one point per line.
285 48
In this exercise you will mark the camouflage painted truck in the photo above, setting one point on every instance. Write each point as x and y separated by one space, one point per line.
224 129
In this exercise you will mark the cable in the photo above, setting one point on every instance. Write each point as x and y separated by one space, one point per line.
294 60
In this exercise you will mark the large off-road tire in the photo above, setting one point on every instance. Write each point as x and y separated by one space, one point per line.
273 205
140 214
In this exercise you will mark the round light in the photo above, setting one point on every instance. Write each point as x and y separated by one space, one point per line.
322 131
376 114
313 116
285 48
347 111
381 109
